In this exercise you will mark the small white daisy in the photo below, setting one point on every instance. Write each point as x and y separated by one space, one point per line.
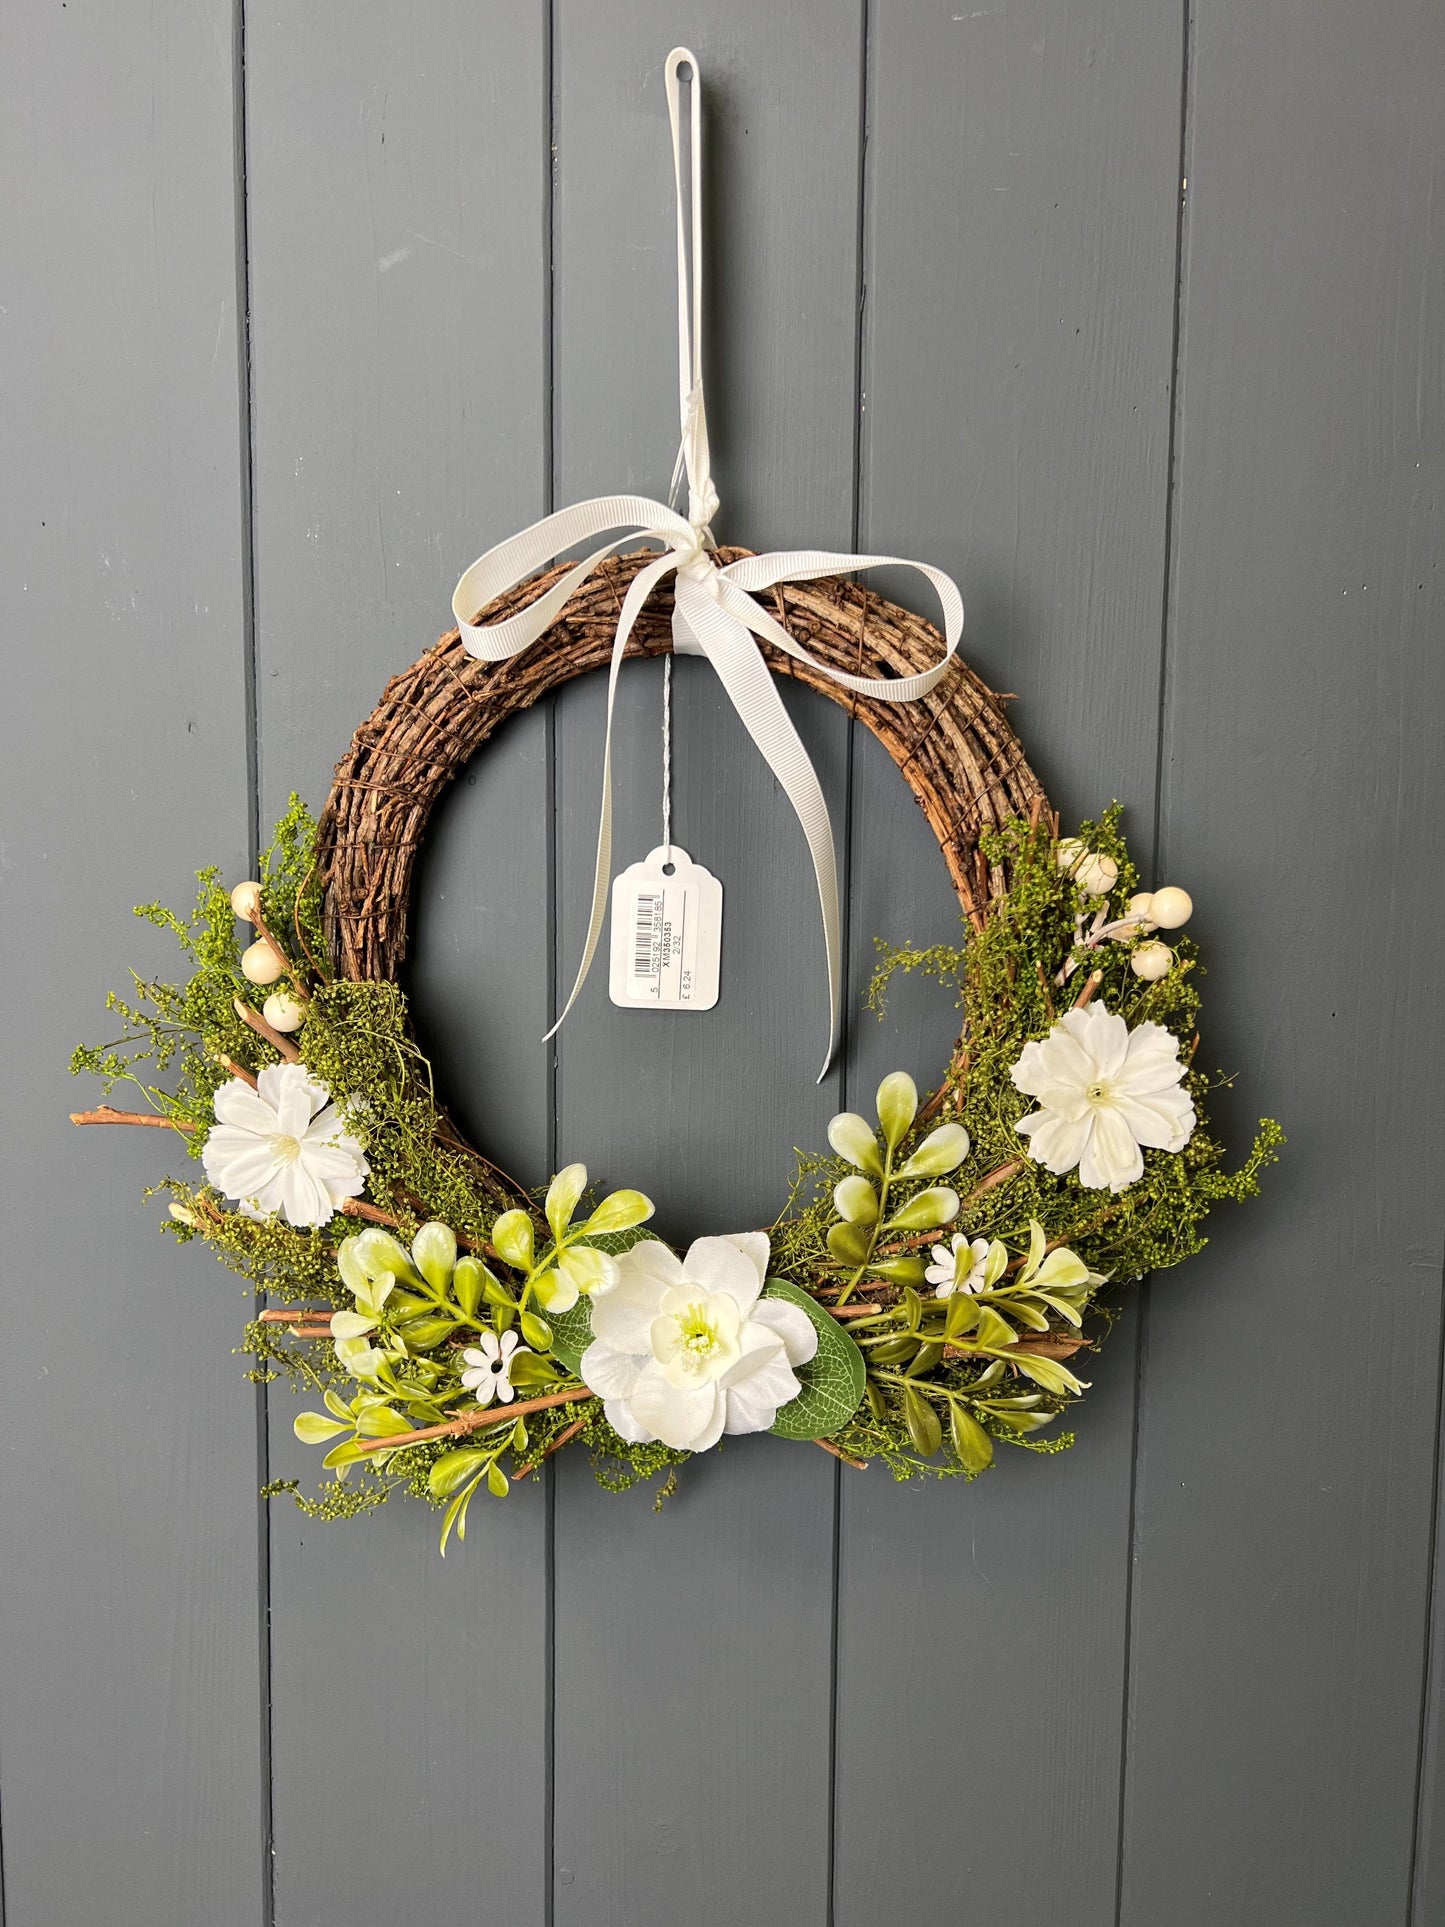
490 1362
969 1265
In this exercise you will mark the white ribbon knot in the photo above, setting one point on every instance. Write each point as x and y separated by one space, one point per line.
715 613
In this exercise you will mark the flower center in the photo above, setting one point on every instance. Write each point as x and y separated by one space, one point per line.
698 1338
285 1148
1101 1092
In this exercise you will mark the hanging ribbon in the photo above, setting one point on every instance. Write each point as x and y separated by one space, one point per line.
714 611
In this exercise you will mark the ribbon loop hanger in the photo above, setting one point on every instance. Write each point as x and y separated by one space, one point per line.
714 611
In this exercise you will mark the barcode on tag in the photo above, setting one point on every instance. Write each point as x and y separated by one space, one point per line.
646 953
666 934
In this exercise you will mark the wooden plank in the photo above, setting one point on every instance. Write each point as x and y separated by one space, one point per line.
398 179
693 1653
1285 1494
1020 255
130 1692
1428 1884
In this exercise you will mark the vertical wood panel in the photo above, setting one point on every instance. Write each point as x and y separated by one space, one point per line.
1020 275
693 1652
398 198
130 1698
1289 1415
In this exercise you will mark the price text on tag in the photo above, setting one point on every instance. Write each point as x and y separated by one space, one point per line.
666 934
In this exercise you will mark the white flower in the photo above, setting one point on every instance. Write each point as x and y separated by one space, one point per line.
490 1362
1104 1090
686 1349
968 1266
281 1148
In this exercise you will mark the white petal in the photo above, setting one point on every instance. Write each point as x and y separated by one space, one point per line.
753 1245
753 1405
1164 1119
1111 1159
1153 1060
509 1342
650 1258
293 1094
1101 1034
623 1317
721 1265
793 1326
608 1373
305 1200
1055 1141
236 1161
505 1394
619 1417
236 1103
680 1418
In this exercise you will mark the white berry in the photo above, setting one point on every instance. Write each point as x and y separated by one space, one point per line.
1171 908
1096 875
1141 906
1151 961
260 964
283 1012
246 901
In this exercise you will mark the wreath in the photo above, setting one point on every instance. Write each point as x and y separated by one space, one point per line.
934 1278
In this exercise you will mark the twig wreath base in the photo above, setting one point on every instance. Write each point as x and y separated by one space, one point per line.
954 747
926 1291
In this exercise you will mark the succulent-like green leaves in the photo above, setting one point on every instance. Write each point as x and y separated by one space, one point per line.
926 1209
620 1211
564 1194
897 1103
513 1238
856 1201
852 1138
942 1151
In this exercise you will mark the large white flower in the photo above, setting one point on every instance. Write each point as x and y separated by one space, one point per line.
686 1349
281 1148
1104 1090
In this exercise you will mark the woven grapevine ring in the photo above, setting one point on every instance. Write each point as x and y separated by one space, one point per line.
954 747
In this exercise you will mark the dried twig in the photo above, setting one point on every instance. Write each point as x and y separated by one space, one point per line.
476 1421
105 1115
278 1042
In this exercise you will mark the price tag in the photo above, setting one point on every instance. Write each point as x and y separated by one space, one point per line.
666 934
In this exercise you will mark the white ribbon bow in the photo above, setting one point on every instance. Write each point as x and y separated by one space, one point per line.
714 611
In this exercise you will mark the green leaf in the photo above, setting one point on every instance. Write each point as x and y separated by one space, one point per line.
554 1291
852 1138
381 1256
512 1235
621 1211
848 1243
899 1271
961 1316
498 1484
351 1324
912 1306
342 1455
536 1331
926 1358
434 1248
1049 1373
572 1334
467 1282
494 1291
382 1423
527 1369
424 1334
855 1201
927 1209
453 1469
942 1151
832 1380
563 1195
312 1429
972 1446
456 1514
994 1331
922 1422
897 1107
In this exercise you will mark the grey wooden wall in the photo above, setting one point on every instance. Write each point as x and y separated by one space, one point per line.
1130 315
